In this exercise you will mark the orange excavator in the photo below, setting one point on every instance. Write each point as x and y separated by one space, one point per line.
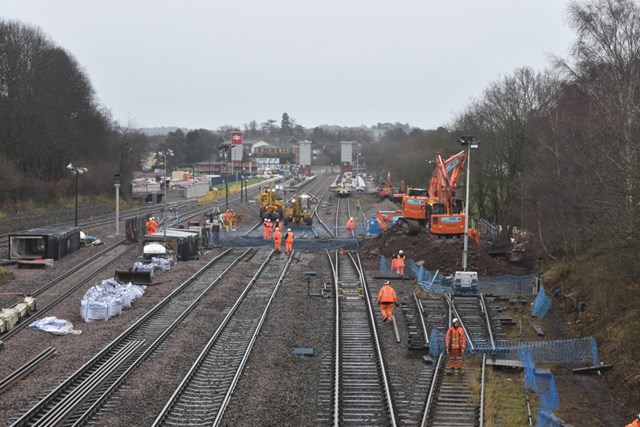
438 206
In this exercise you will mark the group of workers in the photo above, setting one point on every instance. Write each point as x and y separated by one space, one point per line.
455 338
271 231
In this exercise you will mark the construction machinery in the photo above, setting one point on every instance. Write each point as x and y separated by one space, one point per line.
298 210
272 202
385 188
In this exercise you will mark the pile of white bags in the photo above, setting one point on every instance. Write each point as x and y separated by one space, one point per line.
108 299
162 264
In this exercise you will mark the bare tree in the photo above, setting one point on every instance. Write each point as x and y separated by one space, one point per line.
606 70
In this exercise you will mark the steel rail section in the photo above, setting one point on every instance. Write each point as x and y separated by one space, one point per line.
151 328
422 322
25 369
485 310
482 383
432 391
196 401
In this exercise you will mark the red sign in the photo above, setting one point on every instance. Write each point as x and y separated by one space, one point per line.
236 138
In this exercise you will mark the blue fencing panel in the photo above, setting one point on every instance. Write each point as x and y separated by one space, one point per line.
547 392
529 369
541 304
547 420
383 264
436 342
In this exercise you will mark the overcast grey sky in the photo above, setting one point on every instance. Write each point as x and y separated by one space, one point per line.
207 63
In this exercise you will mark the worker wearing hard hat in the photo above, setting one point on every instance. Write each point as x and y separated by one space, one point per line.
386 299
455 343
400 263
277 240
350 228
152 226
267 229
288 242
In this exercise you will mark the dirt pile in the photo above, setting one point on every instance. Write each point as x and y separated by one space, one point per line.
438 254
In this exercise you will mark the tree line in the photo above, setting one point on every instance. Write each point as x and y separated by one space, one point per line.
559 148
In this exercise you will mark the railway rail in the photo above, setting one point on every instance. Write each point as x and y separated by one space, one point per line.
67 283
203 395
361 389
83 393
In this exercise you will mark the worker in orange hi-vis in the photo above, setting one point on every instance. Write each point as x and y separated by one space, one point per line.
350 228
455 342
277 240
151 225
386 299
227 220
400 263
288 242
635 422
266 229
394 262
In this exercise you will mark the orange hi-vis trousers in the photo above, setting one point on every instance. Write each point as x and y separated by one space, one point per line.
386 308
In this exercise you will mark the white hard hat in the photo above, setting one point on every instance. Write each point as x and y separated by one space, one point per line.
400 251
265 220
386 282
455 320
288 229
351 218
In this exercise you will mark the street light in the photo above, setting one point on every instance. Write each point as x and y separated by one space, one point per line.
76 171
164 154
224 149
470 142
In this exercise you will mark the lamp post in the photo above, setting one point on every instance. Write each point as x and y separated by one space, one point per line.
470 142
225 149
539 280
116 183
167 180
76 171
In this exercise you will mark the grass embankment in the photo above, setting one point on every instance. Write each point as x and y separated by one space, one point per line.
606 279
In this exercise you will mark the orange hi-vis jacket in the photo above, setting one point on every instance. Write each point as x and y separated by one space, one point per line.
455 339
289 237
350 225
400 261
634 423
394 262
277 237
152 226
387 294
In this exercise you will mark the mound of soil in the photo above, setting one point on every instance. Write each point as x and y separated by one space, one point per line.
438 254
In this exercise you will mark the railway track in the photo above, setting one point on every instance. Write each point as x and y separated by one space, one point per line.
361 393
64 285
83 393
457 397
203 395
